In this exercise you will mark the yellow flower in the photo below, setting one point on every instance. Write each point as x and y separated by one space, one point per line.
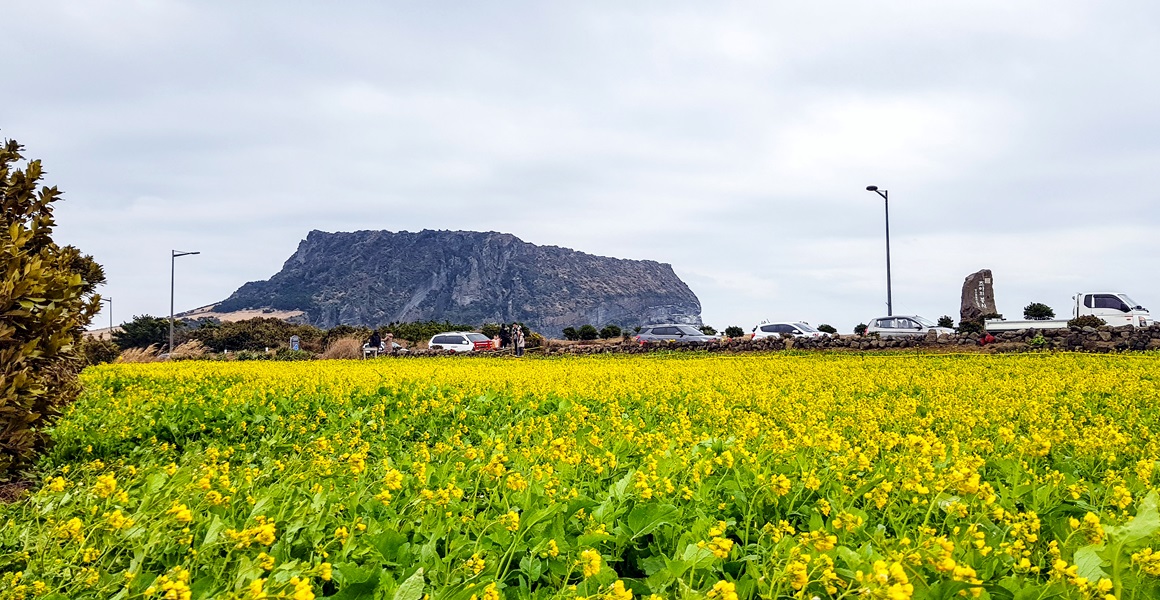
510 520
105 486
590 562
475 564
265 561
618 592
56 484
723 590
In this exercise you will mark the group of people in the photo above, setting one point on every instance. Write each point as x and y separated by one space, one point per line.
511 337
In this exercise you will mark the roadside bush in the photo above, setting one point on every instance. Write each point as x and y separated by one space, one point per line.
418 331
609 331
258 333
339 332
191 350
146 330
824 328
47 298
1038 311
99 351
345 348
570 334
860 328
1087 321
491 330
587 332
707 330
946 321
533 340
1037 342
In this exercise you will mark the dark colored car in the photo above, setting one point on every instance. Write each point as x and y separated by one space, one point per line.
673 333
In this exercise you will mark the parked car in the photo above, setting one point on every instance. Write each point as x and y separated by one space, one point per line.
903 326
794 328
460 341
673 333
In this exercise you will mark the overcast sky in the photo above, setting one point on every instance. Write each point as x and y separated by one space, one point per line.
733 141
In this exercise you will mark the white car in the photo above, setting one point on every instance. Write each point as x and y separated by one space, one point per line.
904 326
794 328
460 341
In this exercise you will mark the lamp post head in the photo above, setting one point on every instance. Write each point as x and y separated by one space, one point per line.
871 188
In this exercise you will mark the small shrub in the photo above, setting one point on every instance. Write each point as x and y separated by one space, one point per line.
1037 311
1087 321
609 331
972 326
98 351
946 321
860 328
570 334
139 355
288 354
1037 342
824 328
344 348
707 330
252 355
587 332
533 340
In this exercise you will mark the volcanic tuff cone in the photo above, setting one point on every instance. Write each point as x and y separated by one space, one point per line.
377 277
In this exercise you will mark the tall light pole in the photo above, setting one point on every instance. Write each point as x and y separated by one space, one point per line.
886 197
110 301
172 271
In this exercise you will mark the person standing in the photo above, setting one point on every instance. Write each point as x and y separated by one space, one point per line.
518 338
505 337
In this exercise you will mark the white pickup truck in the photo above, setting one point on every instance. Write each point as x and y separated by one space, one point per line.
1114 308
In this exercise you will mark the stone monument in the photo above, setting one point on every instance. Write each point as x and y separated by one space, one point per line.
978 300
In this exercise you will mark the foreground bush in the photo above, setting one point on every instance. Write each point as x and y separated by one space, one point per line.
827 476
46 300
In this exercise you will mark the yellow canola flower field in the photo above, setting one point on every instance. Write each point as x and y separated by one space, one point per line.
660 476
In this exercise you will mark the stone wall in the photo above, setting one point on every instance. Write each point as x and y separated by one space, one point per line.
1074 339
1086 339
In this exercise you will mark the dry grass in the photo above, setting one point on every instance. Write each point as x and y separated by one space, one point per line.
193 349
139 355
344 348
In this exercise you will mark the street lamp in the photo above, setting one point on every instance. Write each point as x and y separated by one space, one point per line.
110 301
172 269
884 194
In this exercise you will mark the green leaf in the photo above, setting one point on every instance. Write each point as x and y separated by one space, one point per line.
643 520
1146 523
1089 562
412 588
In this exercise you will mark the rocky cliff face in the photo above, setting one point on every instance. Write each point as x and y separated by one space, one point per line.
376 277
